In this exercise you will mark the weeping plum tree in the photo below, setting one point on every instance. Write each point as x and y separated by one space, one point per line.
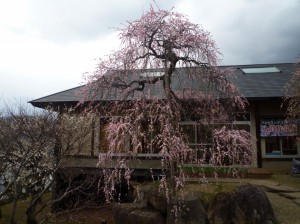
292 89
293 93
164 74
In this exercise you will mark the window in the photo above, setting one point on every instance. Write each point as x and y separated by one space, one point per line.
148 138
196 134
289 145
104 141
279 136
198 137
145 141
242 117
260 70
245 127
242 121
285 145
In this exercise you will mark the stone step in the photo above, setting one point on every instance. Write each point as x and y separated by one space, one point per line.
280 188
293 195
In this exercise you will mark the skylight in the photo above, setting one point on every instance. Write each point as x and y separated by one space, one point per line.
260 70
153 74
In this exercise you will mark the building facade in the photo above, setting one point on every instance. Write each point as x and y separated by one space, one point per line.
262 85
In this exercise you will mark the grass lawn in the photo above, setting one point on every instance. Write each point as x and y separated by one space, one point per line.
20 215
20 212
87 215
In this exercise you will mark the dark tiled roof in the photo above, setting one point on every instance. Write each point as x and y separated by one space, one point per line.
263 85
68 95
252 86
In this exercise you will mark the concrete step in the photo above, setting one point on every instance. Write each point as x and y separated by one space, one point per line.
259 173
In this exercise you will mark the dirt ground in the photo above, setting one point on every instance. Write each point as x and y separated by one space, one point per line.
101 215
286 211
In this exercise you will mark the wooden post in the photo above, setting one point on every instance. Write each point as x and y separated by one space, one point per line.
258 138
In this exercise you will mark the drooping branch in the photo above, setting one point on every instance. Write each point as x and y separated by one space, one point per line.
165 73
292 91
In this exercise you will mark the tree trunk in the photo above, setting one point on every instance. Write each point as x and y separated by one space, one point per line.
30 212
15 200
167 88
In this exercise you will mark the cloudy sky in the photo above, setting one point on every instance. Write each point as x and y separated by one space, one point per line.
47 45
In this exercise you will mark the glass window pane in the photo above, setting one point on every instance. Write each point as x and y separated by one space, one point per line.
245 127
242 117
189 132
104 143
289 146
204 154
273 146
155 143
204 134
219 126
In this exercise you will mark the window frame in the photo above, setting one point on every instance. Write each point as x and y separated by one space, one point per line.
264 143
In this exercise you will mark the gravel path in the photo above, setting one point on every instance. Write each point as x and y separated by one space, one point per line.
286 211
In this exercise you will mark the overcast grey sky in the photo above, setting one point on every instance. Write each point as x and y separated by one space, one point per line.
47 45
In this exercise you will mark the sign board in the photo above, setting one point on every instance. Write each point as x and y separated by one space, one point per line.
269 128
